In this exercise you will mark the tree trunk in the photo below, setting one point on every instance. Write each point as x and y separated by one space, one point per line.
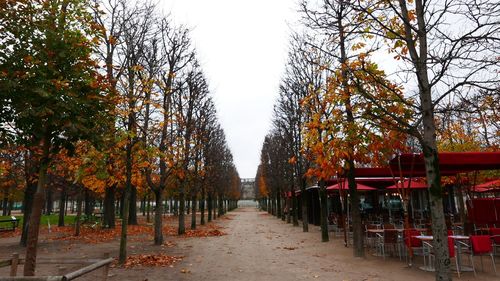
36 212
214 208
62 206
143 205
67 201
279 210
120 203
4 203
109 207
288 205
148 207
273 204
439 231
202 206
158 217
126 202
295 209
176 207
303 198
49 203
209 210
29 195
182 228
193 212
324 211
11 205
221 207
461 207
132 213
89 204
357 227
78 218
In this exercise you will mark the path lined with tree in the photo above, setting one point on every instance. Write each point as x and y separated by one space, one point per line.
105 103
258 246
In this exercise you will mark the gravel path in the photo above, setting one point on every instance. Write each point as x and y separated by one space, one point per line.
257 246
261 247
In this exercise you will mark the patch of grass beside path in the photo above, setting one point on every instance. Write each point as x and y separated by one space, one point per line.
53 219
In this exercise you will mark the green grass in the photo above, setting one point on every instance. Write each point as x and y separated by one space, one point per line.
54 218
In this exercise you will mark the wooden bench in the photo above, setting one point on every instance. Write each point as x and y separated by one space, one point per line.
98 216
92 265
9 224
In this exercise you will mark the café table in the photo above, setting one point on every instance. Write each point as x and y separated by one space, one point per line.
458 255
398 229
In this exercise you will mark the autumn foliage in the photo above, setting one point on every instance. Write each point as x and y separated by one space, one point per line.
151 260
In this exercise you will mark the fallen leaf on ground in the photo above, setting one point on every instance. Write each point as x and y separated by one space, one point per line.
151 260
92 236
168 244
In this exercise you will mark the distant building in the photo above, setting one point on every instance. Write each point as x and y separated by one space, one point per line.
248 189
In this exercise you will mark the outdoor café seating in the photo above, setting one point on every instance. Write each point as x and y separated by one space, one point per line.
480 245
451 250
412 243
389 243
495 237
371 237
389 226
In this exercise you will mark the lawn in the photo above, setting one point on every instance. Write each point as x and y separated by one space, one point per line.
53 219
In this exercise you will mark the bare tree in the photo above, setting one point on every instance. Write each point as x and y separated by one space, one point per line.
171 50
187 102
302 76
135 33
113 16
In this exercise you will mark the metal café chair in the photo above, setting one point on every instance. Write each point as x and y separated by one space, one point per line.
480 245
389 240
412 243
451 251
495 237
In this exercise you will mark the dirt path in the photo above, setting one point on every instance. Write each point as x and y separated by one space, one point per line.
257 247
260 247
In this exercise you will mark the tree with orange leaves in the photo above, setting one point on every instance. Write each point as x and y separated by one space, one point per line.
340 135
11 176
261 190
50 70
444 63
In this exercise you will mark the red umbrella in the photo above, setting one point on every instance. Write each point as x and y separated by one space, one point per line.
491 186
413 185
359 186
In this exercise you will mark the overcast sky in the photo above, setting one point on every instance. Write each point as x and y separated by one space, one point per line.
242 45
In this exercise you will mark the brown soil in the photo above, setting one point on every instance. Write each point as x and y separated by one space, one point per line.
256 246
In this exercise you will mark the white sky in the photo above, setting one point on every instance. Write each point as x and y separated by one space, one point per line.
242 45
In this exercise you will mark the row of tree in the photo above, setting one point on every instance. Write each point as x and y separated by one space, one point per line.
435 86
107 98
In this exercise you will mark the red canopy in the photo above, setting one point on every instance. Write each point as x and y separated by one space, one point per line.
413 185
484 210
491 186
388 172
458 162
450 163
344 185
